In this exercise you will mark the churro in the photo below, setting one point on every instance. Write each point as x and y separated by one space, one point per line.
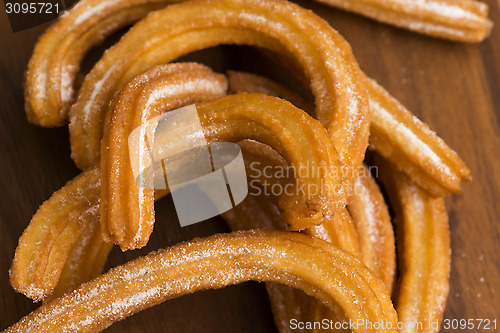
53 67
327 60
395 133
458 20
412 146
64 230
289 258
373 224
424 251
158 90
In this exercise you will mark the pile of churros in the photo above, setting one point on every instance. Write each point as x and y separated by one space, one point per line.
330 254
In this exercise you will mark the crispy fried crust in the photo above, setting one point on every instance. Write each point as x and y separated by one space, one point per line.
423 239
303 262
458 20
326 58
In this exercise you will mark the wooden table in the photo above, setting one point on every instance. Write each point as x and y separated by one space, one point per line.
454 87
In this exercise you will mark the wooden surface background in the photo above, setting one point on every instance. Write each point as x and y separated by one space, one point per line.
453 87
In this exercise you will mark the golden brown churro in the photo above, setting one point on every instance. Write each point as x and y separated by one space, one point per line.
341 103
215 262
366 203
412 146
458 20
49 88
395 133
367 207
63 236
139 101
351 273
373 225
295 135
424 251
63 223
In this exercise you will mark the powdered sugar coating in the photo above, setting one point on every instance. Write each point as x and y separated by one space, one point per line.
416 146
214 263
92 11
442 8
369 212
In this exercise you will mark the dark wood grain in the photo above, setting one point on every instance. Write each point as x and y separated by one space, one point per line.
454 87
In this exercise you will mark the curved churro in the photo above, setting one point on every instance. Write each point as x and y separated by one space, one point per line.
366 204
424 251
49 88
371 219
376 242
288 303
295 135
77 259
266 168
373 225
35 284
412 146
395 133
146 96
336 82
51 73
63 227
215 262
63 236
458 20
